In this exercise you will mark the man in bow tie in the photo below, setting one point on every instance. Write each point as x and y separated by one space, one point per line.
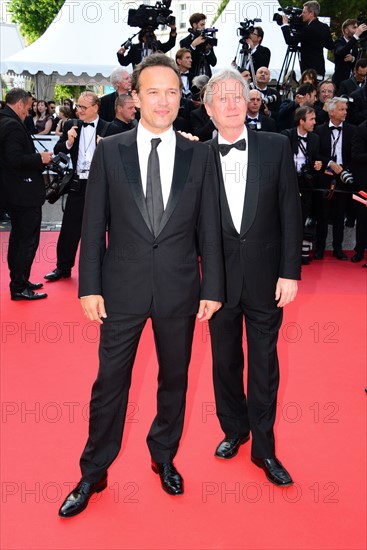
254 119
79 140
262 236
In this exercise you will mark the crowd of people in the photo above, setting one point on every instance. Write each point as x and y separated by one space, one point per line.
167 199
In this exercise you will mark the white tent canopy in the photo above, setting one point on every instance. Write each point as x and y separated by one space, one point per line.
81 43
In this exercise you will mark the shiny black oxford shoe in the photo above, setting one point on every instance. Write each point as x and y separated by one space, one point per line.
27 294
78 499
33 286
171 480
274 470
57 274
228 448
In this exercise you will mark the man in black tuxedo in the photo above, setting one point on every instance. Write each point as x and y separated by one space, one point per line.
306 152
346 50
355 82
121 80
202 51
184 64
358 105
160 193
262 236
148 44
79 139
335 153
305 95
23 189
254 119
313 37
260 55
125 116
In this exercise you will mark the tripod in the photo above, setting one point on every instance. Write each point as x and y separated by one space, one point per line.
287 71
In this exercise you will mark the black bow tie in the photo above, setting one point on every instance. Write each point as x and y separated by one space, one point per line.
85 124
252 120
224 149
185 74
302 138
339 128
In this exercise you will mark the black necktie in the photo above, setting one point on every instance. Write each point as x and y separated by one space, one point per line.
154 199
85 124
339 128
224 149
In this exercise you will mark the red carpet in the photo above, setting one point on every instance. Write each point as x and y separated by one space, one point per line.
48 364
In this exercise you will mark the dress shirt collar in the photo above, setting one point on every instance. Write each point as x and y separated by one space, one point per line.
335 125
146 136
244 135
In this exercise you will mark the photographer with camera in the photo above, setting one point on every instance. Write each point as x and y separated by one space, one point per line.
79 139
346 50
313 36
260 55
270 96
23 188
305 95
254 119
335 152
200 42
147 45
305 146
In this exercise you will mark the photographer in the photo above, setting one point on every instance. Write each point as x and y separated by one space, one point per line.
259 54
305 95
24 191
346 50
148 44
305 146
200 46
347 87
313 37
271 96
254 119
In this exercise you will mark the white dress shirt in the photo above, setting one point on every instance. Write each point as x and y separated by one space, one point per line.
87 146
338 138
234 170
166 154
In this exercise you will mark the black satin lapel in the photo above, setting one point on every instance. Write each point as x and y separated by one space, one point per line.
252 183
130 163
227 221
181 169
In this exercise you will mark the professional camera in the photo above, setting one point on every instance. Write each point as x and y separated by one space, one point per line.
246 28
294 17
208 34
57 177
346 177
305 176
268 99
150 17
362 18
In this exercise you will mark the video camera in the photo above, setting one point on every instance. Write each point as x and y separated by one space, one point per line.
294 17
150 17
362 18
246 28
208 34
57 177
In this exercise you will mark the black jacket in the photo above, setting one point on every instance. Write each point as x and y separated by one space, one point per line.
202 61
21 166
344 69
134 54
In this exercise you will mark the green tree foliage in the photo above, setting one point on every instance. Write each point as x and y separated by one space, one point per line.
33 16
62 92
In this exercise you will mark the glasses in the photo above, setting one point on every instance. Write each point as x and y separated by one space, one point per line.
82 108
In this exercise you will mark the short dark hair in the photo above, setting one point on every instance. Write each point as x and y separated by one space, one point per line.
361 63
154 60
196 18
259 32
306 88
310 73
301 113
348 22
181 52
121 100
16 94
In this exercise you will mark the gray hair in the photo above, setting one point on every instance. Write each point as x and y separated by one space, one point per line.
200 81
331 104
313 6
222 76
116 75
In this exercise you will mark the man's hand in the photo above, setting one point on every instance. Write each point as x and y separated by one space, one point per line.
189 136
359 30
336 168
286 291
93 307
207 308
46 157
72 135
198 41
121 51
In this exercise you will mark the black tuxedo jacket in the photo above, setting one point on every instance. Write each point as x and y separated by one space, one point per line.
344 69
60 146
313 38
198 56
134 54
201 124
312 145
136 270
348 86
269 243
21 166
357 110
107 107
261 57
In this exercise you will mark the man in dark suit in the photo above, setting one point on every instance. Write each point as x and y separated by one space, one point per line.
355 82
125 116
23 188
262 236
305 95
260 55
346 50
306 154
313 37
335 153
148 44
254 119
160 193
79 139
358 105
121 80
202 51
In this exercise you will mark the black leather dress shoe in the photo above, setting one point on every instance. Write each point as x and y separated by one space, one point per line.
305 260
357 258
339 255
57 274
274 470
171 480
319 255
34 286
27 294
228 448
78 499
